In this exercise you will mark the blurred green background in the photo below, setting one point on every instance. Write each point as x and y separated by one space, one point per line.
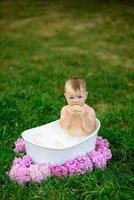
43 43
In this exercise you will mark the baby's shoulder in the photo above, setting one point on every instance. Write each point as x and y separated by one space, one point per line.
64 108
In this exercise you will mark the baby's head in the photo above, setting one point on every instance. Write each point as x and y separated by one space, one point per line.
75 91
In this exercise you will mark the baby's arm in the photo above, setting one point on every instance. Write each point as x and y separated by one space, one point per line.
65 120
89 120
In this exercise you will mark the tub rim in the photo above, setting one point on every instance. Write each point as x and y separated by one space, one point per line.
57 149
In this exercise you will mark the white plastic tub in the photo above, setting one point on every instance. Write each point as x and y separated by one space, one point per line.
49 151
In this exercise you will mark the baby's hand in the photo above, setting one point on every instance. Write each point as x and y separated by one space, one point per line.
82 111
70 110
77 109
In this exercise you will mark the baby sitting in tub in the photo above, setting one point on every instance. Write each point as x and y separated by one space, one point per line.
77 118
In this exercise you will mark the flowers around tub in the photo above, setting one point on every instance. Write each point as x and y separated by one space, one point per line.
39 172
58 170
19 170
19 146
74 167
23 170
25 161
98 159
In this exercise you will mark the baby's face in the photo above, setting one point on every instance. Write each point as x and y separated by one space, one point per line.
75 97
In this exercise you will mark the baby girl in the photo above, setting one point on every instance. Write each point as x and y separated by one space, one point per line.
77 118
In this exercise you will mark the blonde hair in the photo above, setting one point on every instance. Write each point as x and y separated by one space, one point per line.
76 83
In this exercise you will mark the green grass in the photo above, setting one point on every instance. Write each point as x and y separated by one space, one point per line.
42 44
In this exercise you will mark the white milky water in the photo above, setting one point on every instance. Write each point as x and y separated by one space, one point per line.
52 135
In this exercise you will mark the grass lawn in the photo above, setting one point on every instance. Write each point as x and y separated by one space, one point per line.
43 43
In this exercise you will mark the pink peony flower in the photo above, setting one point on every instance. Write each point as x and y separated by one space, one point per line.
38 172
100 143
24 161
45 170
64 171
106 153
86 163
56 170
17 161
19 174
27 160
19 146
82 159
74 167
89 165
98 159
35 174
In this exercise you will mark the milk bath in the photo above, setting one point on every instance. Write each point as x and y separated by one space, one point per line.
52 136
